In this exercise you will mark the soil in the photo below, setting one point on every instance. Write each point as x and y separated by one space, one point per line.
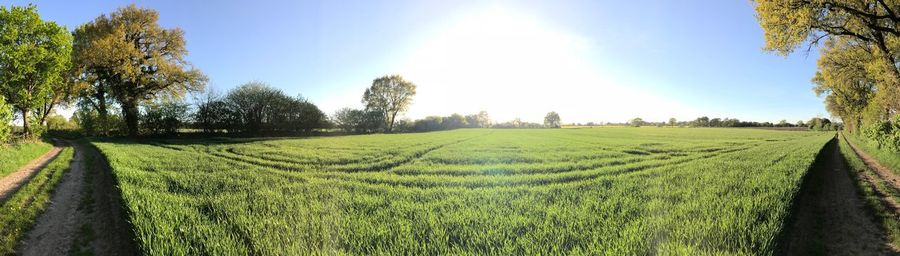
85 215
11 183
829 216
886 174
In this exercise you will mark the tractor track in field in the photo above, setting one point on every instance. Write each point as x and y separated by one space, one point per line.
829 216
11 183
85 213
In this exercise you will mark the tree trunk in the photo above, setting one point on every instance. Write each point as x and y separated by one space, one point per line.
130 110
391 126
25 127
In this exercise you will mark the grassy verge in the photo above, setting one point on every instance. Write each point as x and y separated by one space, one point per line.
15 156
872 192
18 214
887 159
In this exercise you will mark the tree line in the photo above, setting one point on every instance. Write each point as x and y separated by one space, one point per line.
816 123
857 70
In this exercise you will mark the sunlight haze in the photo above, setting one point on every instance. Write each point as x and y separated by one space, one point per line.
588 61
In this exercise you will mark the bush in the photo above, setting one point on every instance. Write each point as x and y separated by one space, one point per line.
256 107
164 117
884 134
6 116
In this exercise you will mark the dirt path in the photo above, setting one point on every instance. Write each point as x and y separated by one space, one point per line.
886 174
84 216
11 183
829 216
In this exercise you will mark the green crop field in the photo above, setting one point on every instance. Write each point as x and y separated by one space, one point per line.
614 191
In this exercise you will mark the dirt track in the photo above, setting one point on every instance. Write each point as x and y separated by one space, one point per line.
10 183
886 174
829 216
84 215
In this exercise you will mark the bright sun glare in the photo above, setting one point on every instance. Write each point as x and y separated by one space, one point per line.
512 65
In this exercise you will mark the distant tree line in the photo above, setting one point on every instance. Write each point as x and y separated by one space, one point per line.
818 124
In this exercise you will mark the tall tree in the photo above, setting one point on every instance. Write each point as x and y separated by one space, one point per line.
873 26
33 57
636 122
552 120
483 119
843 79
389 95
672 121
136 59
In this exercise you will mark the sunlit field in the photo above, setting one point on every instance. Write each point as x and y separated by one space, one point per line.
614 191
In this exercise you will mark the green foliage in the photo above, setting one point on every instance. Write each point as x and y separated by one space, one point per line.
34 55
822 124
611 191
135 59
884 135
857 72
91 122
441 123
164 117
636 122
552 120
389 95
256 107
57 122
18 213
6 116
358 121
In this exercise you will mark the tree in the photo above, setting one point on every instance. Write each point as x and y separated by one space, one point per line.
636 122
61 94
389 95
672 121
858 69
715 122
355 120
137 59
552 120
430 123
344 119
483 119
164 117
59 122
212 113
33 57
848 88
454 121
702 121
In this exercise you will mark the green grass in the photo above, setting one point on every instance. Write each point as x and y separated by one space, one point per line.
871 191
611 191
13 157
890 160
19 212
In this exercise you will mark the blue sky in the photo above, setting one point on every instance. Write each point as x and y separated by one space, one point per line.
587 60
